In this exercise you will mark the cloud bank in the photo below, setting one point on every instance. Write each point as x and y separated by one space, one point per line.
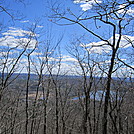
17 37
102 46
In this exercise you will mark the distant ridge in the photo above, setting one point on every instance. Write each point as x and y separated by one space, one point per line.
35 76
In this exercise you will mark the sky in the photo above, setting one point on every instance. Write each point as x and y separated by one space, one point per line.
35 11
30 12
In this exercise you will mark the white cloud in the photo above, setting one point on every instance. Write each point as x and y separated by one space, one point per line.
96 44
102 46
67 64
68 59
129 11
39 26
126 41
120 7
86 5
24 21
16 37
98 47
36 54
18 32
19 43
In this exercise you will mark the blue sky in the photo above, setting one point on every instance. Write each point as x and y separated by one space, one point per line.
36 10
33 11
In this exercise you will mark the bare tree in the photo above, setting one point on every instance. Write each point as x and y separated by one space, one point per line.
10 63
112 14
